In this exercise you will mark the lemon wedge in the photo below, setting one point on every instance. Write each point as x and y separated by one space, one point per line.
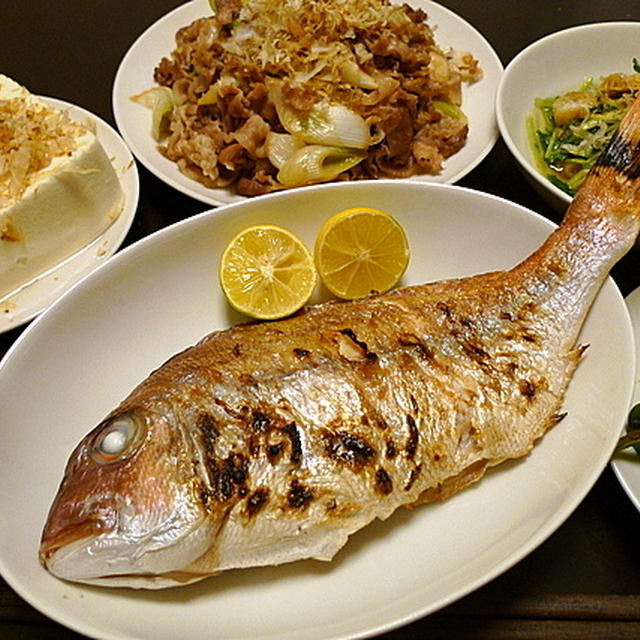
361 251
266 272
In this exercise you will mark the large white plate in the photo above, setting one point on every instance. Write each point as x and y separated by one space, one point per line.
82 356
626 464
135 75
41 292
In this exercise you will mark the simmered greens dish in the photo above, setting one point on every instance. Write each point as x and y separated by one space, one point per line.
568 132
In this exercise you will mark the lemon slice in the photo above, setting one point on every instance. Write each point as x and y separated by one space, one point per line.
266 272
361 251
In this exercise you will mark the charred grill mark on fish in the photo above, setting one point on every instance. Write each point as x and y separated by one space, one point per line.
413 438
299 495
446 309
208 432
349 449
476 352
527 388
353 348
223 477
235 467
205 425
390 451
296 444
621 154
383 482
415 473
274 451
269 434
415 343
204 495
259 422
256 501
226 477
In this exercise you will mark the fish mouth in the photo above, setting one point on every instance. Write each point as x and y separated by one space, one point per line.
56 538
91 552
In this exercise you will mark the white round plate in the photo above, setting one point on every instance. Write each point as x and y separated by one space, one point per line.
135 75
27 302
626 464
81 357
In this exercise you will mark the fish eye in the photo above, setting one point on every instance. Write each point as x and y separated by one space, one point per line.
115 438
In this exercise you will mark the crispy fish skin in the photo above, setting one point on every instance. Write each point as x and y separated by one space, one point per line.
267 443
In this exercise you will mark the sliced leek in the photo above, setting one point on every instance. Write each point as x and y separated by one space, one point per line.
210 96
325 123
162 107
352 74
335 125
280 147
448 109
160 101
318 163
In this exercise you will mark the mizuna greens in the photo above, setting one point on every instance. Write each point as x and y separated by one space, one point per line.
567 132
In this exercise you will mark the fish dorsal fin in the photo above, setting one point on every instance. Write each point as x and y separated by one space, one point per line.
599 227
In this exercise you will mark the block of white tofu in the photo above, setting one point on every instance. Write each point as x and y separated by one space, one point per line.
58 189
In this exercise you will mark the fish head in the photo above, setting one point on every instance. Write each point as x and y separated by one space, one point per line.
127 509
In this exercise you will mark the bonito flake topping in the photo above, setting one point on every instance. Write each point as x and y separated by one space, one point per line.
31 136
271 94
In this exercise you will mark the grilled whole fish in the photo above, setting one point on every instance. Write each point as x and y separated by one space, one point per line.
267 443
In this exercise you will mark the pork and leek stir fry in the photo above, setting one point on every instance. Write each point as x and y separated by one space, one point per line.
568 132
269 94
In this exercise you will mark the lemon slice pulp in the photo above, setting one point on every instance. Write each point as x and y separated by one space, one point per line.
361 251
266 272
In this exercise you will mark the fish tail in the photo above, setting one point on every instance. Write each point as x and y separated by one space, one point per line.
612 187
600 226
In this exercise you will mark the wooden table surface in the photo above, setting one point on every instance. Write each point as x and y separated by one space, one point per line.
584 580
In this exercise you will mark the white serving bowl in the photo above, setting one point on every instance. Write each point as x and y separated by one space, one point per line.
553 65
